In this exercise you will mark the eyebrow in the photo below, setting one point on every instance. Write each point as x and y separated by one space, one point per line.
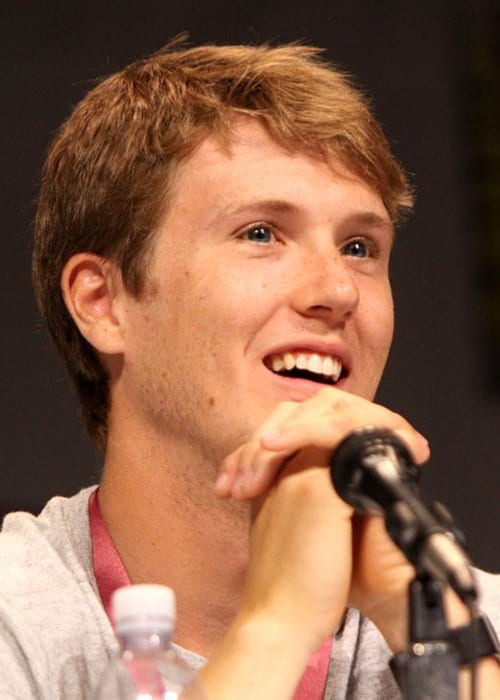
279 206
370 218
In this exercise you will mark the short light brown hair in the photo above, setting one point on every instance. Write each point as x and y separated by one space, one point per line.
106 179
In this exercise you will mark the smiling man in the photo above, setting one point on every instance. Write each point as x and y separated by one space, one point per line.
212 251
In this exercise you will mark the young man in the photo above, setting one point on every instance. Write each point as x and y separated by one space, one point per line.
212 248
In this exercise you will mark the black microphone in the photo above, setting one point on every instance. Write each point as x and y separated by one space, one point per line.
373 471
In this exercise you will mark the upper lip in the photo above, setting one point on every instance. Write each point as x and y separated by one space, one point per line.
317 345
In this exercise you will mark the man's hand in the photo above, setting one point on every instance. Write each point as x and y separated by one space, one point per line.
304 546
310 555
322 421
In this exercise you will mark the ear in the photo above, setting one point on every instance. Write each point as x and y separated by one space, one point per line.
92 289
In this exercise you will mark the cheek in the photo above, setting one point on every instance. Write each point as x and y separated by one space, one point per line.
233 299
386 324
379 318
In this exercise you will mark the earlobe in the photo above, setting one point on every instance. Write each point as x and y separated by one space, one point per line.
91 287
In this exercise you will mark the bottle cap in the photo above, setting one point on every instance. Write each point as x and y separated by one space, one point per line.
143 606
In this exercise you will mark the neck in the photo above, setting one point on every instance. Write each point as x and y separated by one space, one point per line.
170 528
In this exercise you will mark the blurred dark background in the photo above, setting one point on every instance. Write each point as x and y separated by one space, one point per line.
433 73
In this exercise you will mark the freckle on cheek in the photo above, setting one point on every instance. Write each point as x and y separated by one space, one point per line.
211 401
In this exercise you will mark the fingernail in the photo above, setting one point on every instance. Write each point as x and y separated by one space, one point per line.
221 485
241 483
272 437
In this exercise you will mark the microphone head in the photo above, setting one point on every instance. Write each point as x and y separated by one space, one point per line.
350 472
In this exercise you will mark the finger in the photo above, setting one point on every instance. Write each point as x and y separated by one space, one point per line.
237 468
329 435
331 418
260 473
244 472
248 471
227 473
417 444
330 409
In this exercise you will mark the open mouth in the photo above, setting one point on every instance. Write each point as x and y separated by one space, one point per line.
322 369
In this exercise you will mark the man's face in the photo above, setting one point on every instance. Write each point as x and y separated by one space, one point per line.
268 280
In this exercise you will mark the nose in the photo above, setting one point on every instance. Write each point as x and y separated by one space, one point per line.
326 287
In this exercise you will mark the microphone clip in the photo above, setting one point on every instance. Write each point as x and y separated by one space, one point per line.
429 667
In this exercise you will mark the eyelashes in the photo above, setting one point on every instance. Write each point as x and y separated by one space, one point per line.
361 247
259 233
264 233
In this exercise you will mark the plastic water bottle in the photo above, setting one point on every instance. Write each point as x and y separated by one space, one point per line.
147 668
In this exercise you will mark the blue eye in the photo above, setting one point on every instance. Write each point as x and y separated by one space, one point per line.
357 249
259 234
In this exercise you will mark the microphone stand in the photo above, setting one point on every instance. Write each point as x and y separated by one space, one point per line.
373 471
428 670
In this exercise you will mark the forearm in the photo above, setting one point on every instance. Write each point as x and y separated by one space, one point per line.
257 658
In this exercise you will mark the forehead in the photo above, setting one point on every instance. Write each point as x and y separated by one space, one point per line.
252 167
244 146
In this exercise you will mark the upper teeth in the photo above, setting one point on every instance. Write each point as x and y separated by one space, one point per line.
312 362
